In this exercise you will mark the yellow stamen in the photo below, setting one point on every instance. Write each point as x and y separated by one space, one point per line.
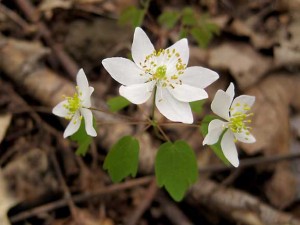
72 105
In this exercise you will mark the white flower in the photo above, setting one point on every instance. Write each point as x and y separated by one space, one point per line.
76 107
235 114
167 70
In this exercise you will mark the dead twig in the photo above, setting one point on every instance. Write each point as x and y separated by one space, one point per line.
80 198
142 207
244 163
67 194
172 211
237 205
48 128
14 17
32 15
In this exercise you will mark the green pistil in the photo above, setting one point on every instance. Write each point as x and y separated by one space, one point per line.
160 73
238 122
73 105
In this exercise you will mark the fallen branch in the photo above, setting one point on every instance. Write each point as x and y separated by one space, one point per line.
172 211
80 198
237 205
144 205
32 15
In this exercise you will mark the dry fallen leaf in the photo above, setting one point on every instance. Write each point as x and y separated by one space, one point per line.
295 124
30 183
5 120
242 61
288 53
258 40
85 217
282 189
6 201
47 6
113 38
294 148
274 96
291 5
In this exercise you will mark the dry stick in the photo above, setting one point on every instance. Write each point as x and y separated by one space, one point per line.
141 181
240 206
68 197
172 211
38 120
144 205
14 17
80 198
67 194
94 10
32 14
34 114
252 162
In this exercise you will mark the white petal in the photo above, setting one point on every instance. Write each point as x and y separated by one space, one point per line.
60 109
221 104
88 120
229 148
215 129
172 108
73 126
187 93
198 76
124 71
245 137
137 93
82 82
86 101
182 48
141 46
242 103
230 91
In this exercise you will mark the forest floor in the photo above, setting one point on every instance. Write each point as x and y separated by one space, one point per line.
43 43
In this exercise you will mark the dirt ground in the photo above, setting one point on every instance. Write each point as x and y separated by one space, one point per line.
255 44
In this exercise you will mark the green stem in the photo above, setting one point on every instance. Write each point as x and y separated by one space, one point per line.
145 8
178 124
123 122
152 116
163 134
111 113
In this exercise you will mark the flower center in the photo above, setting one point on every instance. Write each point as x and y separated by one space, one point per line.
160 73
240 121
74 103
155 65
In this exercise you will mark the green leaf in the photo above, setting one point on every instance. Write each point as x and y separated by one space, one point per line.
204 31
83 139
117 103
169 19
202 36
188 17
216 147
183 33
213 28
132 16
176 168
197 106
122 159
